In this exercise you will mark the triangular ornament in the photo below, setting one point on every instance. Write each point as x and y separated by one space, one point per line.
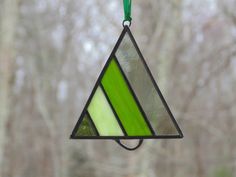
126 102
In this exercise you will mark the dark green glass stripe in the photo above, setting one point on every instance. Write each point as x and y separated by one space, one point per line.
86 127
123 102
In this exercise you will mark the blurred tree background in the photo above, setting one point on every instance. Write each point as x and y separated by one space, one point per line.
51 52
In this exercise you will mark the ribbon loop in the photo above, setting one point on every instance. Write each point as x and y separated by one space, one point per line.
127 10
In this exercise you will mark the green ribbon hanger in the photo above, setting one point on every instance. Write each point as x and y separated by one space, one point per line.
127 10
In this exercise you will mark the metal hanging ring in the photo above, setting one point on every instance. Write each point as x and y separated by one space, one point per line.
130 148
126 23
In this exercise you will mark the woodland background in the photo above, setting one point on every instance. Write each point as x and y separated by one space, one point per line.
51 52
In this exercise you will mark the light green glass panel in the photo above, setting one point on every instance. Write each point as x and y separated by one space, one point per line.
102 115
123 102
86 127
144 89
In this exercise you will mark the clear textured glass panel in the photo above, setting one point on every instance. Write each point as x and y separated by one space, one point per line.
123 102
86 127
102 115
144 89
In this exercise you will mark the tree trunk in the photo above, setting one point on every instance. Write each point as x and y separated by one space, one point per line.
8 26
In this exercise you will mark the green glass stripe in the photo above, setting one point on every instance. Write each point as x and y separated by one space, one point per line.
86 127
102 115
123 102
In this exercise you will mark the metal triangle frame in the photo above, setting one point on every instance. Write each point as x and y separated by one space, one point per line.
112 56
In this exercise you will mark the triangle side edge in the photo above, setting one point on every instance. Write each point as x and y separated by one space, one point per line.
155 84
98 82
85 109
90 97
77 125
129 137
124 31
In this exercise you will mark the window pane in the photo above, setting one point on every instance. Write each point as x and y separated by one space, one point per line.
86 127
144 89
123 102
102 115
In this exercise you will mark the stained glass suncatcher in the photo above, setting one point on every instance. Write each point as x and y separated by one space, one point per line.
126 102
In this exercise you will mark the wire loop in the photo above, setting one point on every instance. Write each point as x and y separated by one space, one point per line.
130 148
126 23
